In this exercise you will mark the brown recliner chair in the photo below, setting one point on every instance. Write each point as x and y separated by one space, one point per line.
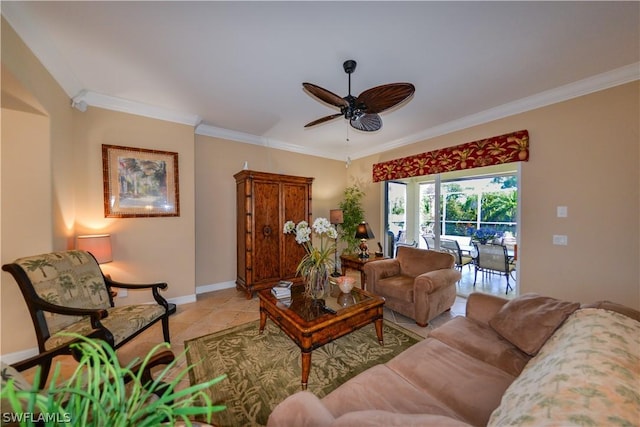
417 283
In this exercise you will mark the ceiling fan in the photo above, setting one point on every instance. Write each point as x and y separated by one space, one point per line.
362 112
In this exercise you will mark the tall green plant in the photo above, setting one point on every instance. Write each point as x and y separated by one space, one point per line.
96 393
352 215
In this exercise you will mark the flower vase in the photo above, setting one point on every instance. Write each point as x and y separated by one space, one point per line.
317 282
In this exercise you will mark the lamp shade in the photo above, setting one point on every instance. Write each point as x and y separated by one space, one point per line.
99 245
335 216
364 231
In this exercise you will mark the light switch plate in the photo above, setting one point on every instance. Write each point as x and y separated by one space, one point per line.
560 239
562 211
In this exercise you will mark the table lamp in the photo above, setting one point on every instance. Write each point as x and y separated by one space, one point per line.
98 245
363 232
336 218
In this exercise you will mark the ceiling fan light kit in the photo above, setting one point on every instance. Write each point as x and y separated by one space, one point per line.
362 111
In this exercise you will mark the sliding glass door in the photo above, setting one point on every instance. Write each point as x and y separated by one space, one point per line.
452 205
395 214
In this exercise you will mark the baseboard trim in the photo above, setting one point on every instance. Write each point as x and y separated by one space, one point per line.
185 299
203 289
19 355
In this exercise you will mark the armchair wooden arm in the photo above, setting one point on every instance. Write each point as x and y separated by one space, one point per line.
45 358
112 283
171 308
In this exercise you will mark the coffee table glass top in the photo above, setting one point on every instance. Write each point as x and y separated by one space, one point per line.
308 309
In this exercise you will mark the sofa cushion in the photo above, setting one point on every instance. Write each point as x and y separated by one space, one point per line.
482 342
302 409
380 388
397 287
375 418
123 322
586 374
469 387
529 320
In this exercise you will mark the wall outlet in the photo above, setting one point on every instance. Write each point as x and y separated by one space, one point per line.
122 293
562 211
560 239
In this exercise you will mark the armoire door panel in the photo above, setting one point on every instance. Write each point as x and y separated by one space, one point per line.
295 202
266 257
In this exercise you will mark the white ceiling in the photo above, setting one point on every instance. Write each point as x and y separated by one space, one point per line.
236 68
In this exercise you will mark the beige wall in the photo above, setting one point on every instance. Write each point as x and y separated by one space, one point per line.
160 249
584 154
216 162
36 132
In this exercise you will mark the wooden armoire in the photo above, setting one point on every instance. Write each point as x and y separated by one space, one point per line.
265 201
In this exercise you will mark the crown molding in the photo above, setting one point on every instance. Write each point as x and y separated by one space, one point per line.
231 135
606 80
94 99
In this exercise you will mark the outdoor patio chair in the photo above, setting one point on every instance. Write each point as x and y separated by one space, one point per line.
430 240
453 247
67 292
414 244
493 258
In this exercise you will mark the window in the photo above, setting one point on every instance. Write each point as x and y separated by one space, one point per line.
487 199
487 202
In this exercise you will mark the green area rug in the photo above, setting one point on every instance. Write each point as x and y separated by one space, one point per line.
264 369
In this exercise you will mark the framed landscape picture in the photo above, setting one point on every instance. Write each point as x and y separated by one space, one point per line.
138 182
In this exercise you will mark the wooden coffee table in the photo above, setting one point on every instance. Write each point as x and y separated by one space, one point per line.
310 325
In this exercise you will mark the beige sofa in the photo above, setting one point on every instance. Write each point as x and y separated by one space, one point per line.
531 361
418 283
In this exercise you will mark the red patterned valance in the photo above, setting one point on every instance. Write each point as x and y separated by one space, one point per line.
511 147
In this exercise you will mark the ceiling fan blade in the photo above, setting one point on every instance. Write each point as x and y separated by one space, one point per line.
380 98
323 119
366 122
325 95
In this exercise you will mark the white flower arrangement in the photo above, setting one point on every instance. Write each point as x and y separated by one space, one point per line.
315 257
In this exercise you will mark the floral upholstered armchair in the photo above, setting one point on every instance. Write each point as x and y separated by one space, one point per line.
67 292
417 283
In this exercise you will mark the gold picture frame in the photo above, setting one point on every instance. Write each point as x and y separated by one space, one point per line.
139 183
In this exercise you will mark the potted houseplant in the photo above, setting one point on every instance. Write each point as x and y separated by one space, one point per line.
96 393
353 215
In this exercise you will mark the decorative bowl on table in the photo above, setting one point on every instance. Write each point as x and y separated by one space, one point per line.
346 283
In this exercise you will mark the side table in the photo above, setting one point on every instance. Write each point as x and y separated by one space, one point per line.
356 263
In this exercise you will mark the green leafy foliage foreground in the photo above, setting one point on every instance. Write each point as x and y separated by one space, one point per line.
96 393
